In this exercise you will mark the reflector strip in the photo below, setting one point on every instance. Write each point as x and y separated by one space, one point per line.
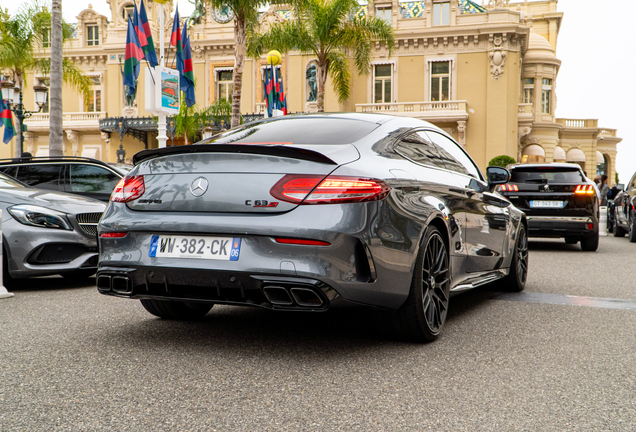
113 235
302 242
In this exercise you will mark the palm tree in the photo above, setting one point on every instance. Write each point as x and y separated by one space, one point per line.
23 39
245 18
329 30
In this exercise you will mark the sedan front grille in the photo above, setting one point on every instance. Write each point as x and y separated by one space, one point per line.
88 222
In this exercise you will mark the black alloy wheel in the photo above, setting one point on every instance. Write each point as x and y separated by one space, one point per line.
422 317
516 279
631 229
616 230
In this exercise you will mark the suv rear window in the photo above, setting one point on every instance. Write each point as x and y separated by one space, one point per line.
549 174
297 131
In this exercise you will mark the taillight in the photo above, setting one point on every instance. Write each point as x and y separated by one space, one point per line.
128 189
509 187
308 189
584 190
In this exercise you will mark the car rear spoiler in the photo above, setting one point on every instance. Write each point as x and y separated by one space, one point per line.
286 151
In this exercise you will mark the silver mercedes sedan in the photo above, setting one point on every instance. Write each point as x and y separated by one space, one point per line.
46 233
298 212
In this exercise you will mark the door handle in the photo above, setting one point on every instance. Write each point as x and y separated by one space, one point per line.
469 191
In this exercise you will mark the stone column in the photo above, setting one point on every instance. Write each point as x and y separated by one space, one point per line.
73 137
106 139
29 142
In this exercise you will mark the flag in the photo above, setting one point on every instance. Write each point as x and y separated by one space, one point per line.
175 40
149 48
7 122
134 55
282 98
187 73
268 86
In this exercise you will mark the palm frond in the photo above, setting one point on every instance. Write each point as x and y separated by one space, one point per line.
340 75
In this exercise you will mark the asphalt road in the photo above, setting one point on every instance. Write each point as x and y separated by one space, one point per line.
74 360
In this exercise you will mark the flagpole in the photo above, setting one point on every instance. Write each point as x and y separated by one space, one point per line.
162 138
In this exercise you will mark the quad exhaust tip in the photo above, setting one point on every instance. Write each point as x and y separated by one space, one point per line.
281 296
118 283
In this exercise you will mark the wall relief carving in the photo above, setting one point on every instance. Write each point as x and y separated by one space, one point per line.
497 57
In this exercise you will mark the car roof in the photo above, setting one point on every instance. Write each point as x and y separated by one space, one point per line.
45 159
545 165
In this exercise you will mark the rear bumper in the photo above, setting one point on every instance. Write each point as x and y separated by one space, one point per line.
562 226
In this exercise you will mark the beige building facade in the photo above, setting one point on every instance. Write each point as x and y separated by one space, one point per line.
486 73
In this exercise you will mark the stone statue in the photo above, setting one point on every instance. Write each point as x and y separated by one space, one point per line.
310 75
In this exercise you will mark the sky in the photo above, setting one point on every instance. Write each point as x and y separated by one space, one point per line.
596 75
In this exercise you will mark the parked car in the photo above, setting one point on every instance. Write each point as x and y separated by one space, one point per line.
558 200
77 175
293 212
623 217
46 232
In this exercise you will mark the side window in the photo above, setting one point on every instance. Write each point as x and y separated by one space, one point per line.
454 156
417 147
41 176
92 179
11 171
632 182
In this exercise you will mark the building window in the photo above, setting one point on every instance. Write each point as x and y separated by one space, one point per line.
441 13
383 13
128 12
225 85
546 94
95 101
92 35
382 88
440 81
45 82
46 38
528 90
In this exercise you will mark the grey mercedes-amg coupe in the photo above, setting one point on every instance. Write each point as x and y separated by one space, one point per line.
296 212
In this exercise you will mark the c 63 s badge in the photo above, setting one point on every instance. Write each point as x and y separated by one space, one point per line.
261 203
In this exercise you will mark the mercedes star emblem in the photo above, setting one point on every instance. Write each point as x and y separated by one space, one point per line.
199 186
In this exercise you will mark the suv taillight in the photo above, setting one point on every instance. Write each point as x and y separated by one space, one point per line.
584 190
308 189
509 187
128 189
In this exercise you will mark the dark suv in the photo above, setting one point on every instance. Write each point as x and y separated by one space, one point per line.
558 200
623 217
77 175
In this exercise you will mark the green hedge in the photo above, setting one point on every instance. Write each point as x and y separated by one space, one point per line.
502 161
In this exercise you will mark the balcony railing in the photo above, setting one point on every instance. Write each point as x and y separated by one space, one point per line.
78 118
578 123
450 110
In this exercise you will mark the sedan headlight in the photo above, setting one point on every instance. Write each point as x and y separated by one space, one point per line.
40 217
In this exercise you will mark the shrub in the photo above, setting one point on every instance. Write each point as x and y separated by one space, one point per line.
502 161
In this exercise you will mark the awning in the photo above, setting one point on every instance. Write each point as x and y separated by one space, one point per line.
575 155
534 150
559 154
599 158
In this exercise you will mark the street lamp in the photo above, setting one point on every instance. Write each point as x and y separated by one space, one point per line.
11 92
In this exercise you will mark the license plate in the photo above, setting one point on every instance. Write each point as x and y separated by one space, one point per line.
197 247
546 204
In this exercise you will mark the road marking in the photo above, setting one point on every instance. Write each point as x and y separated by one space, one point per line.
560 299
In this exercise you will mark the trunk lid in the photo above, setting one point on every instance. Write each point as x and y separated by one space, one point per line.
231 178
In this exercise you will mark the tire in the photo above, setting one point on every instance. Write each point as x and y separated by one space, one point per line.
516 279
8 281
589 244
570 240
616 230
631 229
175 310
422 316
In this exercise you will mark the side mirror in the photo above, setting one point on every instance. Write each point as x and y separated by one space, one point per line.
496 176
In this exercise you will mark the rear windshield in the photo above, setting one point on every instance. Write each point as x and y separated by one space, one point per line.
547 175
297 131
